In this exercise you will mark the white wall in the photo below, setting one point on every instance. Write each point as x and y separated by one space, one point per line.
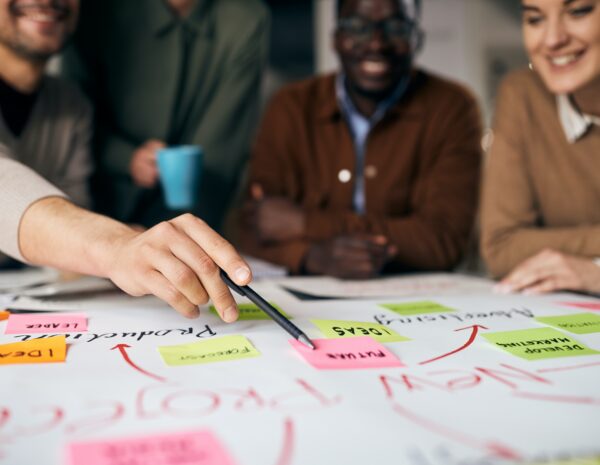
462 39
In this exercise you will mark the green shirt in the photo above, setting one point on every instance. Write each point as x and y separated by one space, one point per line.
152 75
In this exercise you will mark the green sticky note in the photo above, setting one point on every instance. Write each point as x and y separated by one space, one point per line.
340 328
220 349
252 312
538 344
581 461
578 323
417 308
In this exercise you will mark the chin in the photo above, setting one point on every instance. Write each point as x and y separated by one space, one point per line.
564 85
374 91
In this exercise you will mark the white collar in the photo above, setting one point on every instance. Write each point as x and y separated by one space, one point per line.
575 124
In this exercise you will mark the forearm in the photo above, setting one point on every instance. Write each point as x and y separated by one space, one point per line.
54 232
422 241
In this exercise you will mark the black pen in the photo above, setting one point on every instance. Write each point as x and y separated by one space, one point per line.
266 307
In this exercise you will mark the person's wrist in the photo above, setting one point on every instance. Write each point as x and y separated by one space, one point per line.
106 251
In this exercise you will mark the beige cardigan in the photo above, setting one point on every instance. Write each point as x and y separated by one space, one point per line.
50 158
540 191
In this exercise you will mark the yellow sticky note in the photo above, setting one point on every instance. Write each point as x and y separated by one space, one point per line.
251 311
340 328
213 350
578 323
537 344
581 461
4 314
417 308
45 350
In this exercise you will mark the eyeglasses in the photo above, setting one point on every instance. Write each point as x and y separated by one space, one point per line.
397 30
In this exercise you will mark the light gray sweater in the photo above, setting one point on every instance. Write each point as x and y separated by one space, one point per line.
50 158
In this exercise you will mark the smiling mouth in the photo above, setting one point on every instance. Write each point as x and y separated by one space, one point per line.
565 60
374 67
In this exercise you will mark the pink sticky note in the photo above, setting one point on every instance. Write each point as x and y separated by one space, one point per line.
350 353
25 323
189 448
586 305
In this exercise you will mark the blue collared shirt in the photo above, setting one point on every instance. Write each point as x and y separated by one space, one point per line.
360 127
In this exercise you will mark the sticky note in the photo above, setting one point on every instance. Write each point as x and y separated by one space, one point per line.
27 323
45 350
578 461
351 353
586 305
4 314
417 308
578 323
252 312
538 344
341 328
219 349
189 448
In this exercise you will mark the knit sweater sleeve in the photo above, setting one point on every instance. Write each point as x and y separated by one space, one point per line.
20 187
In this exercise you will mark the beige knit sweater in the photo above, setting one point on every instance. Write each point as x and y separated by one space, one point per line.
50 158
540 191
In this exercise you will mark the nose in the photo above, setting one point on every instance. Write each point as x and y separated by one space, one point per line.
378 39
556 34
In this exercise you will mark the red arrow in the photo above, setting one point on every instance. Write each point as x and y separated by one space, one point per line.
474 329
285 458
122 348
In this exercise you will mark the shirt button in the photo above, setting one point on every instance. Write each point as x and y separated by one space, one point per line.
370 171
344 176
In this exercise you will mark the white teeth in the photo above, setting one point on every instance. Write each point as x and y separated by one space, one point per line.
374 66
563 60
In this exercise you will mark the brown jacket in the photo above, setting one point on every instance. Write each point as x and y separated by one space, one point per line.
539 190
421 171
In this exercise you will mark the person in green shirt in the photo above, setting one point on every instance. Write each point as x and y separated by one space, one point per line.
165 73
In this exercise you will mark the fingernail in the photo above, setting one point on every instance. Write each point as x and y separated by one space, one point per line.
242 274
230 314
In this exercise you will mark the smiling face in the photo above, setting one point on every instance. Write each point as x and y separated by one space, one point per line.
373 44
37 29
562 38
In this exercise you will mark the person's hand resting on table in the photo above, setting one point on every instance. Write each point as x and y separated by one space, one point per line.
550 271
357 256
274 219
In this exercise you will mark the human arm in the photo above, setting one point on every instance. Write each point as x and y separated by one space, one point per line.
176 260
550 271
512 222
441 184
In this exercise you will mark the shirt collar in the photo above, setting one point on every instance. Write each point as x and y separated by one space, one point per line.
162 19
347 105
574 123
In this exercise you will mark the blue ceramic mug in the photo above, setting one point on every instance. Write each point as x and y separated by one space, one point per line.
180 168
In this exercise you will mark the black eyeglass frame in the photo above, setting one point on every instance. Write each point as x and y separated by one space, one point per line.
386 26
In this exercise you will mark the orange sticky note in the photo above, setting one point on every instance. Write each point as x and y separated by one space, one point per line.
4 314
45 350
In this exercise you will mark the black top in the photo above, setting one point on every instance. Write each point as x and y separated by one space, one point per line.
15 107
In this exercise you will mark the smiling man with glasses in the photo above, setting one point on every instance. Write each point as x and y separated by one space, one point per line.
371 169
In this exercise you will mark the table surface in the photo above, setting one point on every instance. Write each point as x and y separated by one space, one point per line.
457 399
